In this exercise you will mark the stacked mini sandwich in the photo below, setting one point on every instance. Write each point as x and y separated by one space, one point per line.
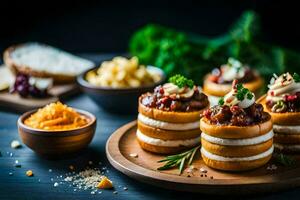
168 119
236 134
283 104
218 83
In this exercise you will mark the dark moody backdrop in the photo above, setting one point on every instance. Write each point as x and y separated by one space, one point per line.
105 26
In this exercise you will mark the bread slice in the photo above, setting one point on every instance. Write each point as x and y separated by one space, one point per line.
40 60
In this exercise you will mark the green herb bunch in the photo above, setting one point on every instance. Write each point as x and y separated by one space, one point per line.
191 55
181 81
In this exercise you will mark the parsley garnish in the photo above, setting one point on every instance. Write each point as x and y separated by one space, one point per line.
284 159
181 81
242 92
221 101
296 77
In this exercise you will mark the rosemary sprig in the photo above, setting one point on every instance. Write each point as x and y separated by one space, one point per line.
284 159
179 160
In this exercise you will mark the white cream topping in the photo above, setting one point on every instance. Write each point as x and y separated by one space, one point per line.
168 125
291 147
172 89
281 86
166 143
286 129
228 159
232 70
49 59
238 142
231 99
213 100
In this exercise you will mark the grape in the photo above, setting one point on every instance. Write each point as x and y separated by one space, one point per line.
22 90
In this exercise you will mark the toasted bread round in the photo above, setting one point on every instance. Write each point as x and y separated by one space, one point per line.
287 118
162 149
24 69
287 138
235 132
287 148
170 116
236 151
220 90
235 165
167 134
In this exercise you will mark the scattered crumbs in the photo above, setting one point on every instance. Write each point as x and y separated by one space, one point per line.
211 177
15 144
93 192
205 175
188 176
10 173
100 192
75 190
29 173
125 188
39 180
115 192
191 169
11 154
134 155
18 165
71 167
55 184
272 167
202 170
201 175
16 162
51 179
68 179
50 170
90 162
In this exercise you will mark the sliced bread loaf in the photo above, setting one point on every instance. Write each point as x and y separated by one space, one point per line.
42 60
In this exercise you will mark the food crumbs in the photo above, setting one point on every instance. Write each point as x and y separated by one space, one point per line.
202 170
134 155
55 184
29 173
15 144
71 167
105 183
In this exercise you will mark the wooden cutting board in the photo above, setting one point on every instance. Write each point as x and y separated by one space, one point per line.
16 103
122 143
13 102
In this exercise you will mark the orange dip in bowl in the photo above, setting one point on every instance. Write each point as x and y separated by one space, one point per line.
56 117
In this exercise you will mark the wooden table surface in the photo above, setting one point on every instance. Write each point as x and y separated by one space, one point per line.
40 186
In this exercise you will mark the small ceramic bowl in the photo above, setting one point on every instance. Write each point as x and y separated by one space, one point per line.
118 100
57 143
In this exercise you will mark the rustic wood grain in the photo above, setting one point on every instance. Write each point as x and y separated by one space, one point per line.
144 168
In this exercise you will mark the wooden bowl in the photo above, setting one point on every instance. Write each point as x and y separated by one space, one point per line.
54 144
117 100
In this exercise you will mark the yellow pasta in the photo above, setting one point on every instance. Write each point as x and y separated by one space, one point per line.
121 72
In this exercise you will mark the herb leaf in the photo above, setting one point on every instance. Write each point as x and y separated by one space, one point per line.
242 92
221 101
296 77
284 159
179 160
181 81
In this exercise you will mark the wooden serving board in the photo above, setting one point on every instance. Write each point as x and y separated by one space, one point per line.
16 103
122 143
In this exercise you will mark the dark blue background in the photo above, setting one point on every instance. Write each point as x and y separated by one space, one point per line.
105 26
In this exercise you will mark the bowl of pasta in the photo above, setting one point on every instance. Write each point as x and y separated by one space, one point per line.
116 85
